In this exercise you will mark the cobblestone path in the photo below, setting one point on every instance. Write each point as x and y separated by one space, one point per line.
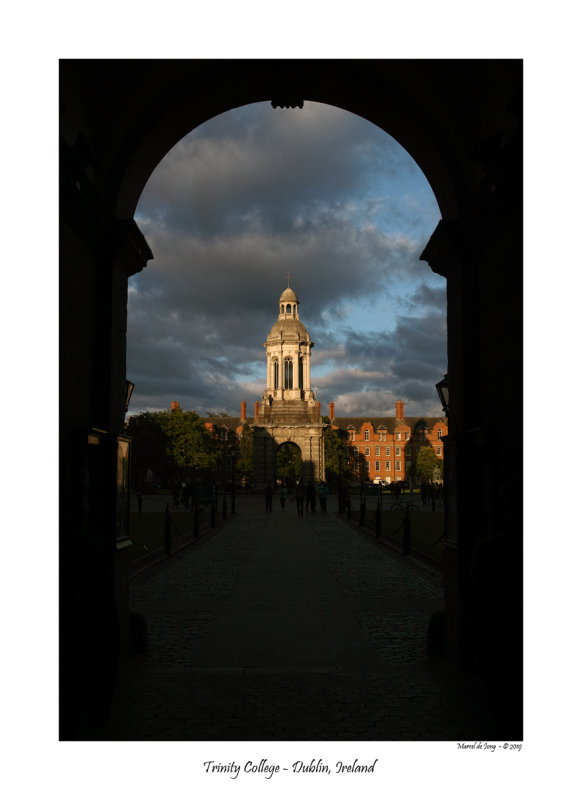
279 628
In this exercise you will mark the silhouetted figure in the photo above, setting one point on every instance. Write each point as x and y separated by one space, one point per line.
268 497
300 498
322 493
283 496
310 493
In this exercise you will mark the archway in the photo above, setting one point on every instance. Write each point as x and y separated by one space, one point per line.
289 464
461 122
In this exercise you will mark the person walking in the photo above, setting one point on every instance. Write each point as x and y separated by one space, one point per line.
310 494
283 496
300 497
322 492
268 497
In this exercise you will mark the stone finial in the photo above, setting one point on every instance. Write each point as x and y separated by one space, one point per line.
174 405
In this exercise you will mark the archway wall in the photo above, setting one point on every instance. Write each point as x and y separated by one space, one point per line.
268 439
156 103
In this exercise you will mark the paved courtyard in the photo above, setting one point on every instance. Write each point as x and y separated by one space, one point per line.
284 628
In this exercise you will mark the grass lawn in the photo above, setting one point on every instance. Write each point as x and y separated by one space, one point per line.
147 530
426 530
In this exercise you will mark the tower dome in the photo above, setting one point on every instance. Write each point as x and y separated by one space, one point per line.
289 296
288 348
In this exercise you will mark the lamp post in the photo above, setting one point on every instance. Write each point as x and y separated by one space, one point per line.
442 388
340 498
129 386
233 454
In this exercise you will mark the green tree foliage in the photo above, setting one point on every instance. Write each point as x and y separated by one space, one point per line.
331 441
246 444
191 446
170 443
289 462
426 462
149 446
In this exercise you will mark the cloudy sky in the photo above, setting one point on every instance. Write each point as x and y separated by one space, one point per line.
256 194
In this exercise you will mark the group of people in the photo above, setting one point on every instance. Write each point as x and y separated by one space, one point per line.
305 496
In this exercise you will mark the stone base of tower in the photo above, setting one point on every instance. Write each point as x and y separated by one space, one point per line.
282 421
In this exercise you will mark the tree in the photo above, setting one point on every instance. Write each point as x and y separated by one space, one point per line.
170 442
191 446
289 462
332 440
426 462
149 447
246 444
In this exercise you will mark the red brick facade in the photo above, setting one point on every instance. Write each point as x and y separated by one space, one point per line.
384 447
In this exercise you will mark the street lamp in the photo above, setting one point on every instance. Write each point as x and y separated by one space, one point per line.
232 452
340 498
128 392
442 388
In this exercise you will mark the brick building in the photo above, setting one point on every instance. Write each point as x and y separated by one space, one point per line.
384 447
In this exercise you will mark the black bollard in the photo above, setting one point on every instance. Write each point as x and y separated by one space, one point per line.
378 522
406 534
168 531
362 513
213 516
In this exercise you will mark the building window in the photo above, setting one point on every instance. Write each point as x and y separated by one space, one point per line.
387 465
300 373
288 373
288 308
398 466
276 373
387 451
398 436
352 436
407 435
367 466
377 466
367 451
397 451
367 435
438 451
377 451
440 433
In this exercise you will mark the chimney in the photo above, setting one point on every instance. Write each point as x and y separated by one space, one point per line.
243 411
257 404
332 411
400 410
318 407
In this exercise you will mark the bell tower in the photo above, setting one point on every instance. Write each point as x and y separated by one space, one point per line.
288 348
288 411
